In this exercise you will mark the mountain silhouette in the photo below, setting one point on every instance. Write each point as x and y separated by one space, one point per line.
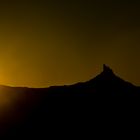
104 84
38 110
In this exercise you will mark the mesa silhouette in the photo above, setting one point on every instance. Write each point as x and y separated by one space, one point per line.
32 109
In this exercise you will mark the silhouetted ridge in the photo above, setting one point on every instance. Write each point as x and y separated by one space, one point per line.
36 107
107 70
106 75
108 83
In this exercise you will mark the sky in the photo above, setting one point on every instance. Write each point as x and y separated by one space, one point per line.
57 42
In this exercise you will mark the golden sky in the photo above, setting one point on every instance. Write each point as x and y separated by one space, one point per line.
45 43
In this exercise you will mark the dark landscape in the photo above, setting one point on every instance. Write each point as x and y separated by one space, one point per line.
37 111
52 82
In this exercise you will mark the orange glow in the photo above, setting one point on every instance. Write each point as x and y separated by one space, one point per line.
44 44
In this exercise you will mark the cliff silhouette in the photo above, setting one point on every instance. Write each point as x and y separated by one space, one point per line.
36 111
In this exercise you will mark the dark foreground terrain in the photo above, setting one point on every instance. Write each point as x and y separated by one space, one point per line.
65 109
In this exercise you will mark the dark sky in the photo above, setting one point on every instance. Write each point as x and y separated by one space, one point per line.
57 42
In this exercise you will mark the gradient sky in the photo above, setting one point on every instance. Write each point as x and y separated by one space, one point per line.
57 42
